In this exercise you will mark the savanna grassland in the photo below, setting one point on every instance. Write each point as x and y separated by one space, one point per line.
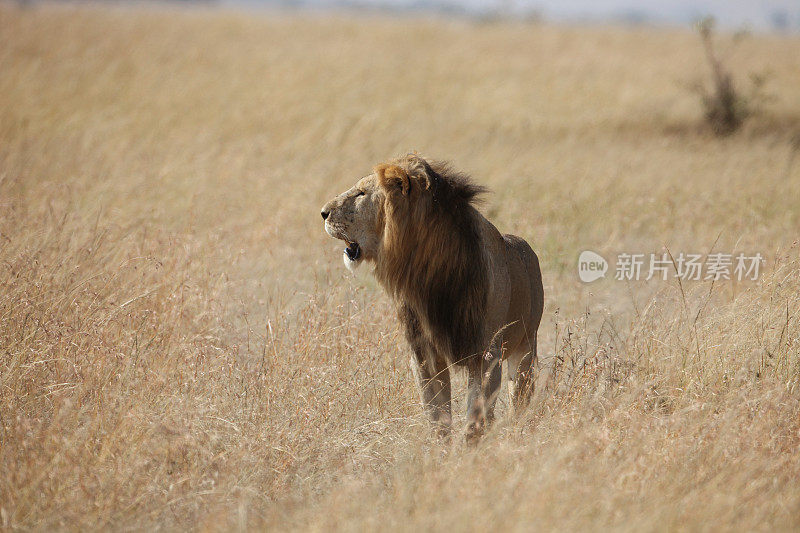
181 347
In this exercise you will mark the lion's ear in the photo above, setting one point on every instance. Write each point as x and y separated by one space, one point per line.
421 170
393 176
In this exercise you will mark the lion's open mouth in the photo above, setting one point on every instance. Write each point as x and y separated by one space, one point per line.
353 251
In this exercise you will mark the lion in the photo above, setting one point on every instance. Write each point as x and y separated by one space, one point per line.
466 295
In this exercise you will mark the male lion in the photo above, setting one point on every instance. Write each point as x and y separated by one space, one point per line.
465 294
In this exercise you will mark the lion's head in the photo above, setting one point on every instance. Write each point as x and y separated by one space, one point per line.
358 216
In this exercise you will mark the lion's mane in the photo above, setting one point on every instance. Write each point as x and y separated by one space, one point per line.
432 260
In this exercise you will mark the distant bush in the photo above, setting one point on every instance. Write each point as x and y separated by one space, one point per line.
725 107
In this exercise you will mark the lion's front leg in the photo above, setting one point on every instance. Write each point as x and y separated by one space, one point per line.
434 382
432 372
484 386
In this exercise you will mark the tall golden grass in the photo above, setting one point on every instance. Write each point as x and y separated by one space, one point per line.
181 348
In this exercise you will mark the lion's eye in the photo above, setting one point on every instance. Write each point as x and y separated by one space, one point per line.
360 193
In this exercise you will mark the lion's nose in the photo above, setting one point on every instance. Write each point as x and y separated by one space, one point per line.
325 215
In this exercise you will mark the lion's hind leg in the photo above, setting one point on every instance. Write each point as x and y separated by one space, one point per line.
484 380
520 366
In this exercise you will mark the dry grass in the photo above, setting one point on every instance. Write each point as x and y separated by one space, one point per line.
181 348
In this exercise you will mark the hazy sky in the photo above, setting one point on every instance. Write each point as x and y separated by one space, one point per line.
755 14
